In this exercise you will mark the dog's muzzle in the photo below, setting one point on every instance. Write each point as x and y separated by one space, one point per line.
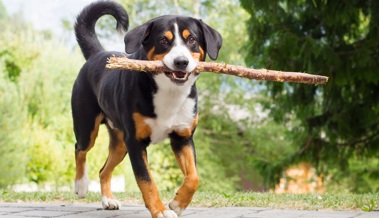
180 75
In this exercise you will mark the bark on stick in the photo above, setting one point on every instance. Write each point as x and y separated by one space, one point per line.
220 68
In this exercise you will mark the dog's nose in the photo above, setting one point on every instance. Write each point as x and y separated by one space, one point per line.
181 62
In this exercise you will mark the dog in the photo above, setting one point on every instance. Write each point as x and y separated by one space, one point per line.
140 108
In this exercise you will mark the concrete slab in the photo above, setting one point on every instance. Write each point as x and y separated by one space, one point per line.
33 210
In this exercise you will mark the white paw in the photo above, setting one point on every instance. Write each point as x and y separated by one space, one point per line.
174 205
110 204
167 214
81 186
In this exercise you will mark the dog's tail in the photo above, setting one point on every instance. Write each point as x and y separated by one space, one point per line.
86 20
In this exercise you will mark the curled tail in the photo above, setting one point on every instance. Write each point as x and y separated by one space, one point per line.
86 20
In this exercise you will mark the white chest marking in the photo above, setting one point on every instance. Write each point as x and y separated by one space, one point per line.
174 110
173 107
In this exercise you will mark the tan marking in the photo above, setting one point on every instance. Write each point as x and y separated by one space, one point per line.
169 35
143 130
202 54
186 33
188 132
117 151
80 159
186 162
158 57
150 193
196 56
150 54
81 156
151 198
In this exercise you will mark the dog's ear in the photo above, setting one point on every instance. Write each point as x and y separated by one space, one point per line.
136 37
213 40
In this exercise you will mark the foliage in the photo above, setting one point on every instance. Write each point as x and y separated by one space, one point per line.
3 11
12 144
336 125
370 206
34 97
13 115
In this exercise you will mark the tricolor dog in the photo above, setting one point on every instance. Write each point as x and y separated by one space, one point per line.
140 108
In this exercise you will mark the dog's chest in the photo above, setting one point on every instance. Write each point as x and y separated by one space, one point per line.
175 112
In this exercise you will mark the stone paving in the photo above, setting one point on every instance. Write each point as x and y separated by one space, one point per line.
30 210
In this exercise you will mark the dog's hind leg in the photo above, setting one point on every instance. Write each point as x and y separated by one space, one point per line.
117 152
81 178
87 117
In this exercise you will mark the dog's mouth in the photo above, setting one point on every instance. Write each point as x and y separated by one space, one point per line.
178 77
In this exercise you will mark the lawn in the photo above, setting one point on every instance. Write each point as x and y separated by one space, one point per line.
365 202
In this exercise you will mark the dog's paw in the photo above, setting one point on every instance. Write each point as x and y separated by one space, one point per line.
166 214
110 204
81 187
174 205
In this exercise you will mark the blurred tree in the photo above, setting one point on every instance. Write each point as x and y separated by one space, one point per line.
12 144
3 11
35 127
338 122
13 113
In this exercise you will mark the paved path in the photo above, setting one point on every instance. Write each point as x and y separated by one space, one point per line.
30 210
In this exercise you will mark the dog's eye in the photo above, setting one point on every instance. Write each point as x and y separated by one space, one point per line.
191 40
163 41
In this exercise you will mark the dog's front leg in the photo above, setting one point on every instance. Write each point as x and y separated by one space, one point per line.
150 194
184 150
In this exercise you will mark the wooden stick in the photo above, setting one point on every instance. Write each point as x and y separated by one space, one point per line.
220 68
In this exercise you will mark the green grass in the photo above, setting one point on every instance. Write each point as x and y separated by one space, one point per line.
365 202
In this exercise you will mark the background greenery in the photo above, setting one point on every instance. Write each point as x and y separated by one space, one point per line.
336 125
248 131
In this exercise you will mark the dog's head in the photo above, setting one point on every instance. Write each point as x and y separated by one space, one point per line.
180 42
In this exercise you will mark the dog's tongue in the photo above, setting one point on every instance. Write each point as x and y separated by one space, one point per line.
179 74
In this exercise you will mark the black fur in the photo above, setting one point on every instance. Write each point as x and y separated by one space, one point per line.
85 25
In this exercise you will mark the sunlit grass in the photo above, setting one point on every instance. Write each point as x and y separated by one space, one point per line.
287 201
214 199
